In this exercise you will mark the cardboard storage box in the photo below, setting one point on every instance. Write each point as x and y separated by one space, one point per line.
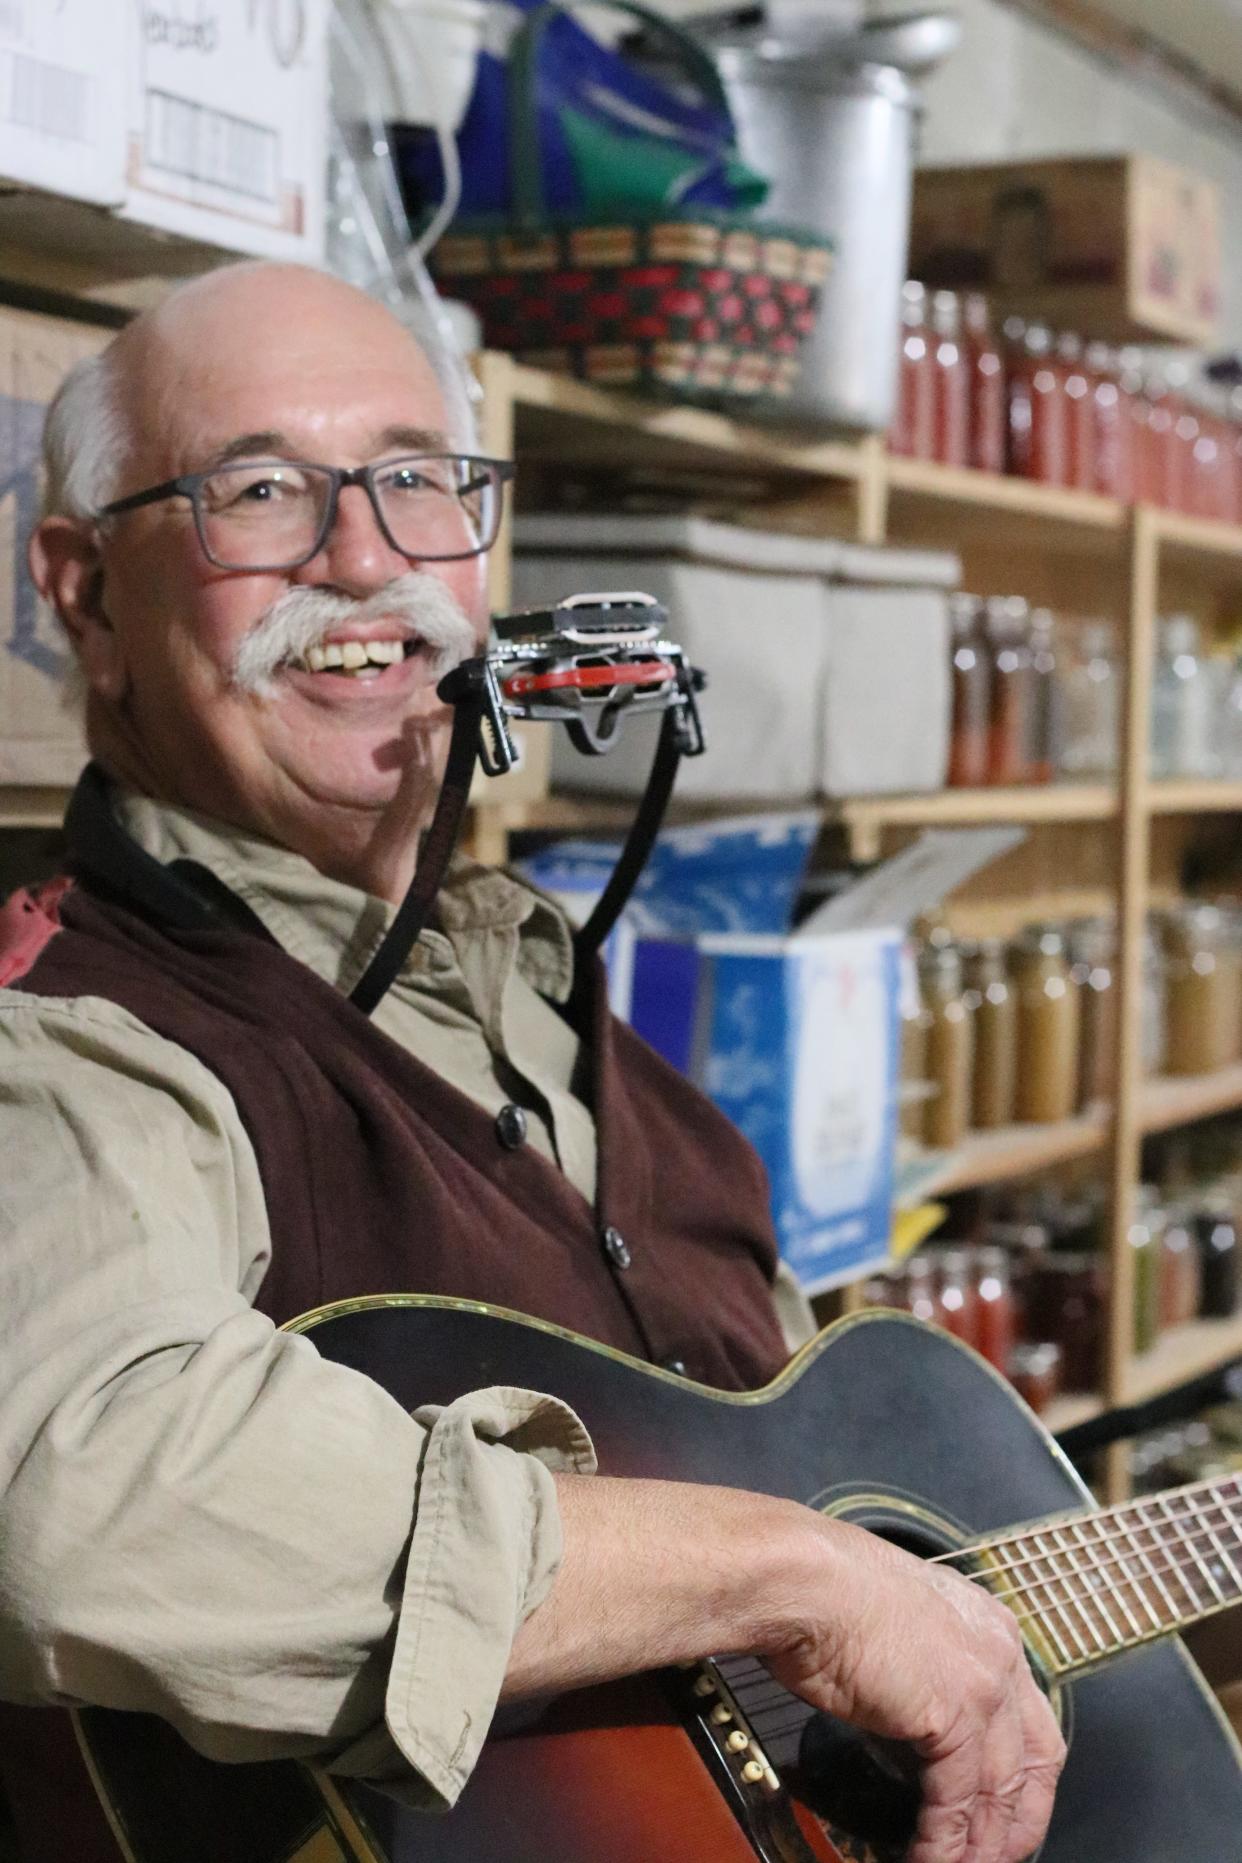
62 97
827 663
794 1036
227 124
41 740
1124 247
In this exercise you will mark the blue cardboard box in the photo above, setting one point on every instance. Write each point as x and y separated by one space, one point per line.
794 1036
797 1040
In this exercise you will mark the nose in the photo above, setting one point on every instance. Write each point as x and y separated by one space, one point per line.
355 557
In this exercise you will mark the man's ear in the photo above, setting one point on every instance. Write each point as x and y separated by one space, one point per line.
67 569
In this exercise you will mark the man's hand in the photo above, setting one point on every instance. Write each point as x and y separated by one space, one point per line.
919 1654
660 1572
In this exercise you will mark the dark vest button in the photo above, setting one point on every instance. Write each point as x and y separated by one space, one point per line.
676 1365
511 1127
616 1248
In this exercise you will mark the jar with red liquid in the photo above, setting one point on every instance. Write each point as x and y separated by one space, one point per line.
959 1300
1066 1302
988 417
1164 477
1038 410
1146 442
951 383
1113 425
996 1311
972 692
1007 629
1180 1275
1035 1374
1079 392
914 428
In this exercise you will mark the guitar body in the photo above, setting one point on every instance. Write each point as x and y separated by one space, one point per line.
881 1421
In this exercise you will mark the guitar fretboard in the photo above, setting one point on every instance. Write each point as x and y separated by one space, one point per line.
1088 1587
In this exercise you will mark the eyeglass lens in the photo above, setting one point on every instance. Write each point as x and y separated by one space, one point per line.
271 514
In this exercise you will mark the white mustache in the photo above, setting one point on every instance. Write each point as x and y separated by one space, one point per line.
300 618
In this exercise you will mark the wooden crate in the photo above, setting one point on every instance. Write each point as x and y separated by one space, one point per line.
1125 247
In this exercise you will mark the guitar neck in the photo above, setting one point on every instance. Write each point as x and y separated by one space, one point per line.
1086 1587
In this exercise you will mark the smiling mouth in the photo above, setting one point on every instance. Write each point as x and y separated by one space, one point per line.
357 659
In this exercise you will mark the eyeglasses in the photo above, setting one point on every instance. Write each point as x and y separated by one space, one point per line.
275 514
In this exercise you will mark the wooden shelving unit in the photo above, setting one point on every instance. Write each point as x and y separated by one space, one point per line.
1071 549
1178 1357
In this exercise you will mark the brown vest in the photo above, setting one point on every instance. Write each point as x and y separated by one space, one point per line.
379 1177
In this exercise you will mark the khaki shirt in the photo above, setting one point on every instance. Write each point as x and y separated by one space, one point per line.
199 1516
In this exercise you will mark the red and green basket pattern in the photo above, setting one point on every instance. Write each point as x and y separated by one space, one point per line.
702 305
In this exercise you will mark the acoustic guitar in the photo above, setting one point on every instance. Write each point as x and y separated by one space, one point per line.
881 1421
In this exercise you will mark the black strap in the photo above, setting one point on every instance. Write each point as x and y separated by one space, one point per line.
434 856
638 843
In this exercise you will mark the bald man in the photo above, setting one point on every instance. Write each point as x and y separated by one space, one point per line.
265 536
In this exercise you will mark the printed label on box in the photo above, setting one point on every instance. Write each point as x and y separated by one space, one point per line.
62 97
228 122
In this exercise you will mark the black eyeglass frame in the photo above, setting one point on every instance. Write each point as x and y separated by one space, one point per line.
190 485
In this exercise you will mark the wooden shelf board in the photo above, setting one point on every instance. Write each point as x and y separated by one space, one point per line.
1185 1353
1170 1101
1053 802
1066 1413
1199 542
912 481
22 807
1018 1151
1194 798
620 416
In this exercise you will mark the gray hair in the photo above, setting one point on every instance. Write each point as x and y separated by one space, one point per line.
84 439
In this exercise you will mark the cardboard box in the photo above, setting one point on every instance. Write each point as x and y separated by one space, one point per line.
41 741
227 123
62 97
1123 247
795 1037
797 1040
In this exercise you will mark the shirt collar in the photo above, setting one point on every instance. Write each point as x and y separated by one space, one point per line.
335 928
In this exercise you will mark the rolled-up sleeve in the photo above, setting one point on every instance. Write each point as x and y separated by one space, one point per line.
199 1516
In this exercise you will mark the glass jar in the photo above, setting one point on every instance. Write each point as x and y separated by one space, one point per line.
1145 1234
1200 991
1046 729
996 1314
959 1299
1182 735
1093 954
1113 425
914 1092
922 1290
1217 1238
1180 1272
1079 392
987 386
1007 627
1048 1026
972 689
949 1056
1162 440
1067 1302
914 428
1038 410
1229 724
1090 709
995 1014
1035 1374
1154 1008
951 382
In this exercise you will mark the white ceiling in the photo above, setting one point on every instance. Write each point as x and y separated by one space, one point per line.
1206 32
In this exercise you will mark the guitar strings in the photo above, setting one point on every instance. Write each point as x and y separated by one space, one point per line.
1075 1597
1136 1509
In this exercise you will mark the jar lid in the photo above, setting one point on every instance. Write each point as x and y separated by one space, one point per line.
1041 941
942 962
1035 1360
964 612
1179 634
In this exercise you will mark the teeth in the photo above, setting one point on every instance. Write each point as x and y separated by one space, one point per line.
353 655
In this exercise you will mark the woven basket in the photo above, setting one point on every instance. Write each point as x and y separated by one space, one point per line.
705 306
